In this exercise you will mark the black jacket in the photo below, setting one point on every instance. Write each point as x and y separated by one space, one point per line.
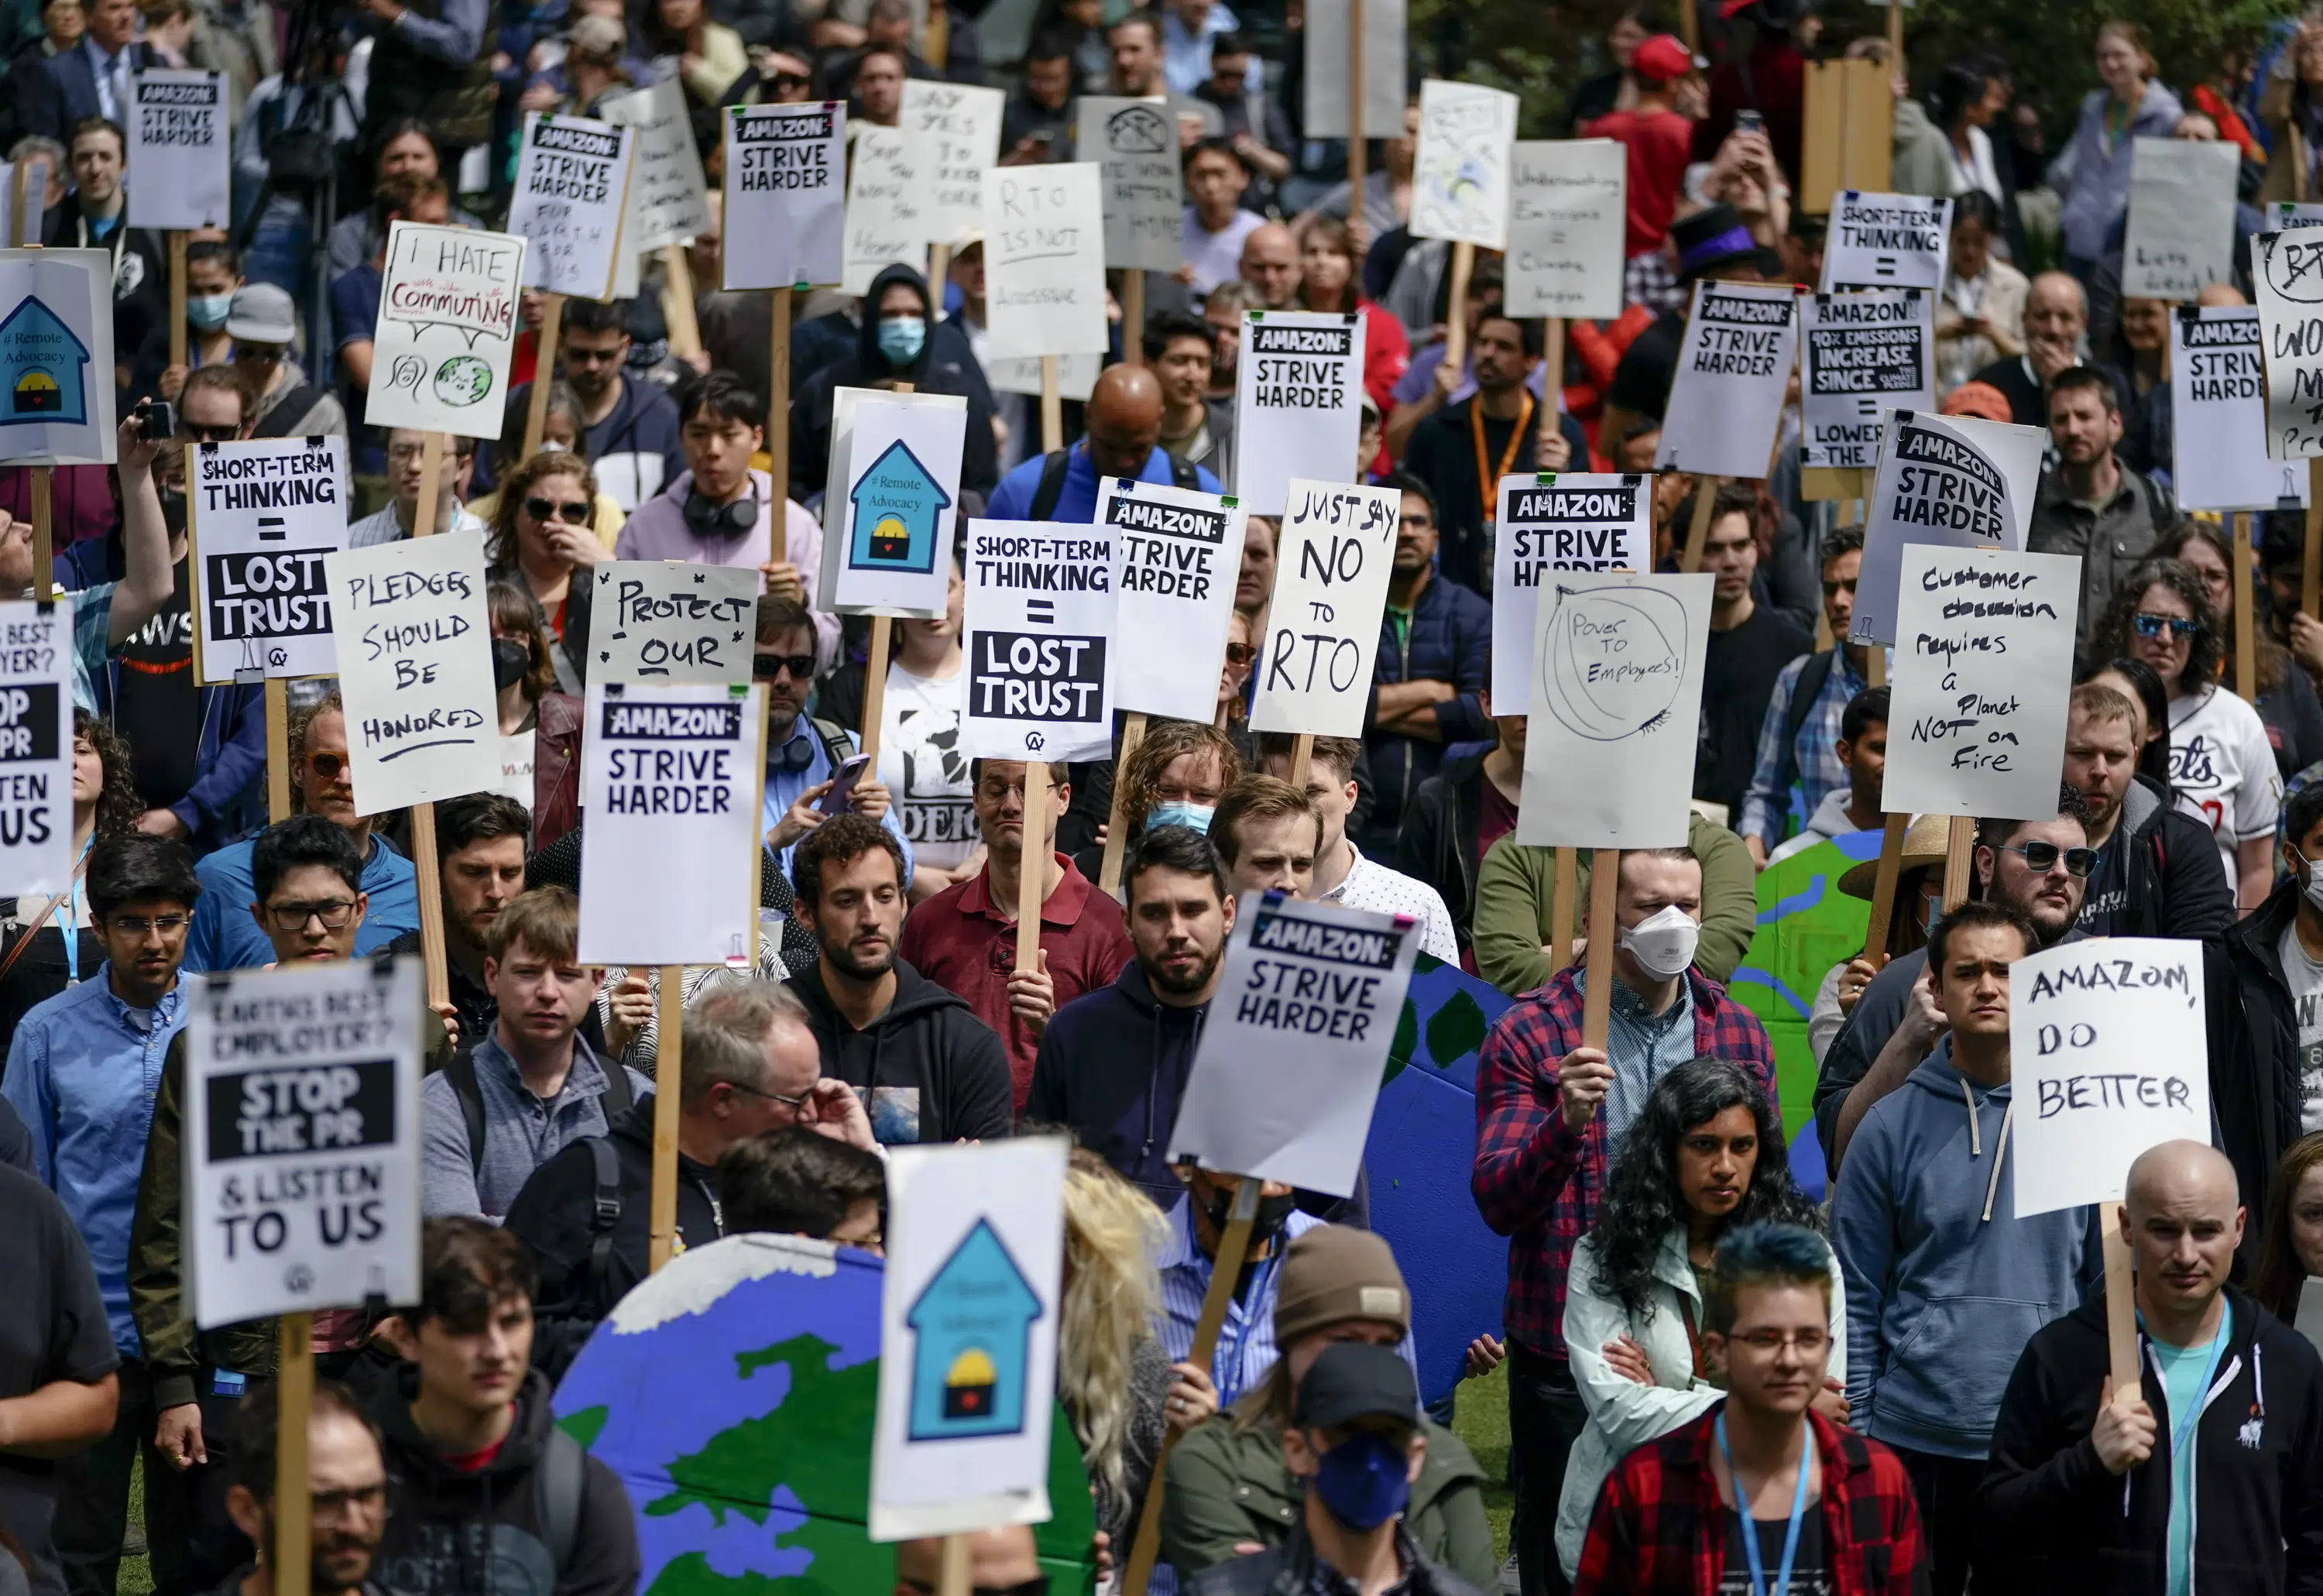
2177 884
1437 843
2253 1034
1112 1065
936 1071
2057 1517
1289 1569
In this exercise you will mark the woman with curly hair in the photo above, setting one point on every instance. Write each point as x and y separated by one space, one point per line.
2221 764
2291 1231
1704 1154
49 943
1174 777
2286 698
541 540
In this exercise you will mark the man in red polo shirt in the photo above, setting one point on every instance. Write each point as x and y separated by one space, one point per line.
964 937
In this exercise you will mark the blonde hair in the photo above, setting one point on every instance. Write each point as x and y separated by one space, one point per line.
1111 1295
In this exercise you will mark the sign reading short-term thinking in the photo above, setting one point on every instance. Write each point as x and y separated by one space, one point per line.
1566 212
262 516
1289 1064
1862 355
2107 1044
415 662
571 194
1733 371
1886 240
955 134
1044 259
1135 140
448 327
1297 403
669 203
2287 268
1552 526
1951 479
36 746
1460 171
1314 667
56 357
302 1138
1176 554
2180 237
2217 409
179 156
1036 629
786 196
672 621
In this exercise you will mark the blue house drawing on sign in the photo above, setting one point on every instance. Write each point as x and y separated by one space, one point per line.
972 1341
43 375
898 511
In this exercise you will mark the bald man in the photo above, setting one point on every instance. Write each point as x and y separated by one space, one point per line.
1269 264
2209 1476
998 1560
1124 417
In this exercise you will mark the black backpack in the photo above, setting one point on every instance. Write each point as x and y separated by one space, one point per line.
1182 475
462 1073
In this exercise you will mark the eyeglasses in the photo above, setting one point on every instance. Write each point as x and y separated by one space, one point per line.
327 765
137 925
334 1505
572 512
797 1104
335 914
1766 1342
2041 858
2177 626
769 667
202 432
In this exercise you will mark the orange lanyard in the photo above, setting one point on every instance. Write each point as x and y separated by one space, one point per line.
1489 483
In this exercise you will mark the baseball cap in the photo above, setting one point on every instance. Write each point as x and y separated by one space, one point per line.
1334 1273
1981 399
1353 1380
262 313
1661 59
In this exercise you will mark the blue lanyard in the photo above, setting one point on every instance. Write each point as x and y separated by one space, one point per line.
1750 1526
1229 1375
71 927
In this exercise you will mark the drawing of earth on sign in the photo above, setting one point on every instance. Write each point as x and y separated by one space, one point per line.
463 379
1140 130
1611 659
42 369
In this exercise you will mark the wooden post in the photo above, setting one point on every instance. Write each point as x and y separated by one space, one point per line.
1697 533
294 1398
1456 315
669 1047
177 299
1597 997
778 396
1108 876
952 1581
278 749
424 863
1567 882
1355 154
1552 392
1689 27
1896 35
1302 758
1133 316
44 545
1959 856
1052 407
1033 865
1883 887
937 40
874 688
19 197
2311 569
2121 1310
938 271
544 373
1874 666
2246 634
677 300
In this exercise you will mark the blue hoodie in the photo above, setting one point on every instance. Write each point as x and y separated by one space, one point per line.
1944 1283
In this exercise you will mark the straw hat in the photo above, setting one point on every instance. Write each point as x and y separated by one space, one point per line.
1928 841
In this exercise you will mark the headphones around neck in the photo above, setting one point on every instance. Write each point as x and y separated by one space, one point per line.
721 520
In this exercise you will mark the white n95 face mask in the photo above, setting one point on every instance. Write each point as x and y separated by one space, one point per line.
1663 944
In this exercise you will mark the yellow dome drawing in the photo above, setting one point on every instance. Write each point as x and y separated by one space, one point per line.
37 390
972 1367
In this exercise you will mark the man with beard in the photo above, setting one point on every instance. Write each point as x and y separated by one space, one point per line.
349 1481
934 1071
479 851
2154 878
2090 503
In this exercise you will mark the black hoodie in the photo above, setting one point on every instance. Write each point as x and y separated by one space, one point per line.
2255 1080
1112 1065
938 1073
483 1532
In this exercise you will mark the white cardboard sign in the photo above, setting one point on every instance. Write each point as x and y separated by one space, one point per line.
36 199
2217 409
955 132
2287 269
669 202
1077 374
1953 480
2281 215
1616 708
302 1138
1297 403
56 357
1734 374
669 780
1984 663
2182 218
1861 355
892 508
415 660
1329 63
2106 1043
1176 554
1044 259
571 194
1135 140
969 1317
1552 523
1567 208
1886 240
178 165
886 224
672 621
1289 1064
448 327
786 196
1460 174
1332 560
1037 630
262 516
36 746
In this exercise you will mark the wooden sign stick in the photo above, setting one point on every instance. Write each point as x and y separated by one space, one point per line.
543 371
677 300
952 1578
19 197
2311 569
1597 994
1302 758
1697 533
1959 854
294 1398
2121 1309
177 299
1356 152
1133 315
1456 311
1883 887
45 544
1052 407
278 749
669 1012
778 394
1108 876
1561 891
2245 637
1033 865
424 862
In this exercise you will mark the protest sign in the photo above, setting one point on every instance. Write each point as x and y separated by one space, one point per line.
414 661
1950 480
260 517
1076 374
2287 269
1885 241
572 192
301 1109
33 173
2285 214
2182 218
786 196
1550 523
1862 355
1616 704
2217 408
1460 173
955 135
1176 554
1734 374
669 780
1332 560
36 746
1044 259
2107 1045
674 621
56 357
1567 208
1984 663
1136 142
1297 403
178 152
669 202
886 223
448 327
967 1337
1289 1063
1036 629
888 516
1325 114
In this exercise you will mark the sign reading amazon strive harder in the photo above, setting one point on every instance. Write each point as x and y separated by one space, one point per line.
1296 399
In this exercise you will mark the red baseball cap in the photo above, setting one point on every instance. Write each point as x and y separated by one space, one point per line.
1662 58
1981 399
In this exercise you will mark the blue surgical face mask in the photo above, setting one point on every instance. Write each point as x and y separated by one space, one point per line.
1364 1481
902 337
208 311
1194 815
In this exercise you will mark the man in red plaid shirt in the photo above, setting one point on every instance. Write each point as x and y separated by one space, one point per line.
1741 1487
1551 1114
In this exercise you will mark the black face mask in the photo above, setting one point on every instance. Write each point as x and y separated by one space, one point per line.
510 660
1273 1211
173 512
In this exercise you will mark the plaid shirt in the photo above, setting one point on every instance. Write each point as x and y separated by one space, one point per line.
1661 1528
1534 1179
1812 764
1648 280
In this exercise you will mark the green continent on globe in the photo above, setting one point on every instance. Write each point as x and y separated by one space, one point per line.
463 379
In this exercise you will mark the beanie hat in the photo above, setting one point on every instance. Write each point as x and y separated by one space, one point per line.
1334 1273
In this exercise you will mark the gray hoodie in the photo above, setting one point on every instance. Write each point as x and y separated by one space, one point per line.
1944 1283
1829 819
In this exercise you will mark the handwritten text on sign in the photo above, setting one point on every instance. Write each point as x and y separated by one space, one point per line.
447 325
1044 259
1322 629
572 197
2289 276
2217 411
1566 217
1569 522
669 621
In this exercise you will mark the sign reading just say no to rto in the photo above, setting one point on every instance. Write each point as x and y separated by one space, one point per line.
1314 669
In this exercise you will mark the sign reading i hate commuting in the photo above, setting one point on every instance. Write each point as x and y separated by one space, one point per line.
786 196
1314 666
36 746
262 516
177 153
673 621
1297 399
1037 626
1176 553
1957 481
1548 523
448 327
1862 355
1733 371
571 195
2218 410
302 1138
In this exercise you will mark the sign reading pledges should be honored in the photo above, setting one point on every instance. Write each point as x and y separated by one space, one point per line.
1460 171
2217 408
1733 371
178 154
302 1138
1135 140
2106 1039
1044 259
36 746
1289 1063
674 621
1864 355
1176 554
416 670
2287 269
1551 523
1036 626
56 357
786 196
572 192
955 134
1314 667
1566 212
1297 403
669 202
2180 237
262 517
1950 480
448 327
1886 240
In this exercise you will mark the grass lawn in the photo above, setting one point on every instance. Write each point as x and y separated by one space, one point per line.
1482 1421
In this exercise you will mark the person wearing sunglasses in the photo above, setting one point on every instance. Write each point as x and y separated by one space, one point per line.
543 541
805 753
